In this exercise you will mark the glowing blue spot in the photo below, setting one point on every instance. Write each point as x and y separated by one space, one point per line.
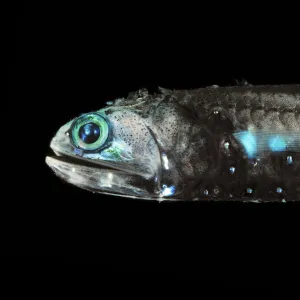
277 143
78 151
168 191
279 190
289 159
226 145
249 191
232 170
205 192
249 142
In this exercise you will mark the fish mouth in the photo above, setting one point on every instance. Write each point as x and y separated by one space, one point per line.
77 161
104 177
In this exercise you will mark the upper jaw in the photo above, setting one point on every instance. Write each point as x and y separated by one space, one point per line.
63 149
65 158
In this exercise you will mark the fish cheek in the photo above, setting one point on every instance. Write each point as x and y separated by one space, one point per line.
130 131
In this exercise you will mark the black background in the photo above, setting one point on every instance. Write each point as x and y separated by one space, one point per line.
73 58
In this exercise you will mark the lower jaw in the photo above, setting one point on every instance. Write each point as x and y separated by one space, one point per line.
103 180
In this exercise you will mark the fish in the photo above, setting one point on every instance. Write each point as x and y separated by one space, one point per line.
230 143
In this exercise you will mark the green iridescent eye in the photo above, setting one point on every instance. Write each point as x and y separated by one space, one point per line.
89 131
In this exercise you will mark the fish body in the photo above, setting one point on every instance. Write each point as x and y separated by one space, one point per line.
238 143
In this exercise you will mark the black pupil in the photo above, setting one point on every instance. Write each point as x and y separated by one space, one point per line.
89 133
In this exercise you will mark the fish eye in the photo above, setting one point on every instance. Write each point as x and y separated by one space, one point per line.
89 132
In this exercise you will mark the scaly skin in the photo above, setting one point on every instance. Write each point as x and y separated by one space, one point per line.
218 113
217 143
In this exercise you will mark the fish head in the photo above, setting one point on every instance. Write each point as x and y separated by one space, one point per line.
110 151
